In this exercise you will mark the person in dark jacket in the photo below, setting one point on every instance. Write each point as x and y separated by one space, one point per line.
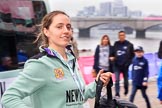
123 52
160 50
140 73
103 56
7 64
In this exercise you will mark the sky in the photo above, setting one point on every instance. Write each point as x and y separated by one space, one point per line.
73 6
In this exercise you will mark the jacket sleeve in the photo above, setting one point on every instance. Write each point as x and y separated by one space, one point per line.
146 72
159 84
132 68
111 63
90 90
114 49
130 53
96 58
27 83
160 50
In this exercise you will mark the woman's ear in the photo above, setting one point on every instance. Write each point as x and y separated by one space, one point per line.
46 32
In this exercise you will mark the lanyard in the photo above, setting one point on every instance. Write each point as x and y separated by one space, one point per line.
76 80
73 74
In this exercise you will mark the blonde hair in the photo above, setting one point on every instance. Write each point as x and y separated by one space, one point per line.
45 23
103 38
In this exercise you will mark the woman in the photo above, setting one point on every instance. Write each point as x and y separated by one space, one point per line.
51 78
103 57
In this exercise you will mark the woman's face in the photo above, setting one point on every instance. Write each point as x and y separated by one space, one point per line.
59 32
105 41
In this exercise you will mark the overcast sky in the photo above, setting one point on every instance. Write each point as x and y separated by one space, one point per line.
72 6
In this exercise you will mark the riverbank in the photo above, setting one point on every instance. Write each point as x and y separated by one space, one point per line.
150 43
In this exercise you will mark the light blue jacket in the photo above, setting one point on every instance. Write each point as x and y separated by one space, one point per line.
49 83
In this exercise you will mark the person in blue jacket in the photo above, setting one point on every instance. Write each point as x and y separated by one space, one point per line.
140 73
159 84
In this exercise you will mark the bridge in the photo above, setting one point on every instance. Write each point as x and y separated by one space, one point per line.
140 25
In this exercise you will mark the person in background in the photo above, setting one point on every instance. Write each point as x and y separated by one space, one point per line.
123 52
53 74
159 84
140 74
159 79
160 50
22 57
7 64
74 45
103 56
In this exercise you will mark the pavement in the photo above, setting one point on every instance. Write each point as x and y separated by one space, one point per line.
138 100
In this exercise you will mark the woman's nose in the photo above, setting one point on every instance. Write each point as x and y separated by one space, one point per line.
66 29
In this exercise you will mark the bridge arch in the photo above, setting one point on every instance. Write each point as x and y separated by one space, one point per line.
152 26
107 26
139 24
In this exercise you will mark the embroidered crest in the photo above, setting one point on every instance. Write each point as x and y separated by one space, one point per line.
59 74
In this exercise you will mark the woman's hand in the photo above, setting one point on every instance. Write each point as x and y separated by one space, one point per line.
104 76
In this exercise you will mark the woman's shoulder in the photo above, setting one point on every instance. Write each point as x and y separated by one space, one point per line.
34 63
35 67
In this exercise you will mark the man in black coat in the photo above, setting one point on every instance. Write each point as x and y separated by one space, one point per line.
124 53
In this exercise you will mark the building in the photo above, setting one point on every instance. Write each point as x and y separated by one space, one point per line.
105 9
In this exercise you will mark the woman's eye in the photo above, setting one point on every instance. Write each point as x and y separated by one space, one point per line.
69 28
60 27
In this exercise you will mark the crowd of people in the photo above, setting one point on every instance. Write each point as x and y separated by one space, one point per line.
118 57
54 77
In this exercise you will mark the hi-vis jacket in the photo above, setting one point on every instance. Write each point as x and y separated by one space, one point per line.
49 81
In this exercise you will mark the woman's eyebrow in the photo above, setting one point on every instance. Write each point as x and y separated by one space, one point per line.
64 24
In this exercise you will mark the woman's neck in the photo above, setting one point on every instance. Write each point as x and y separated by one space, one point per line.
61 51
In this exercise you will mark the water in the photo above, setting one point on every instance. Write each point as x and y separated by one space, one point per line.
150 43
